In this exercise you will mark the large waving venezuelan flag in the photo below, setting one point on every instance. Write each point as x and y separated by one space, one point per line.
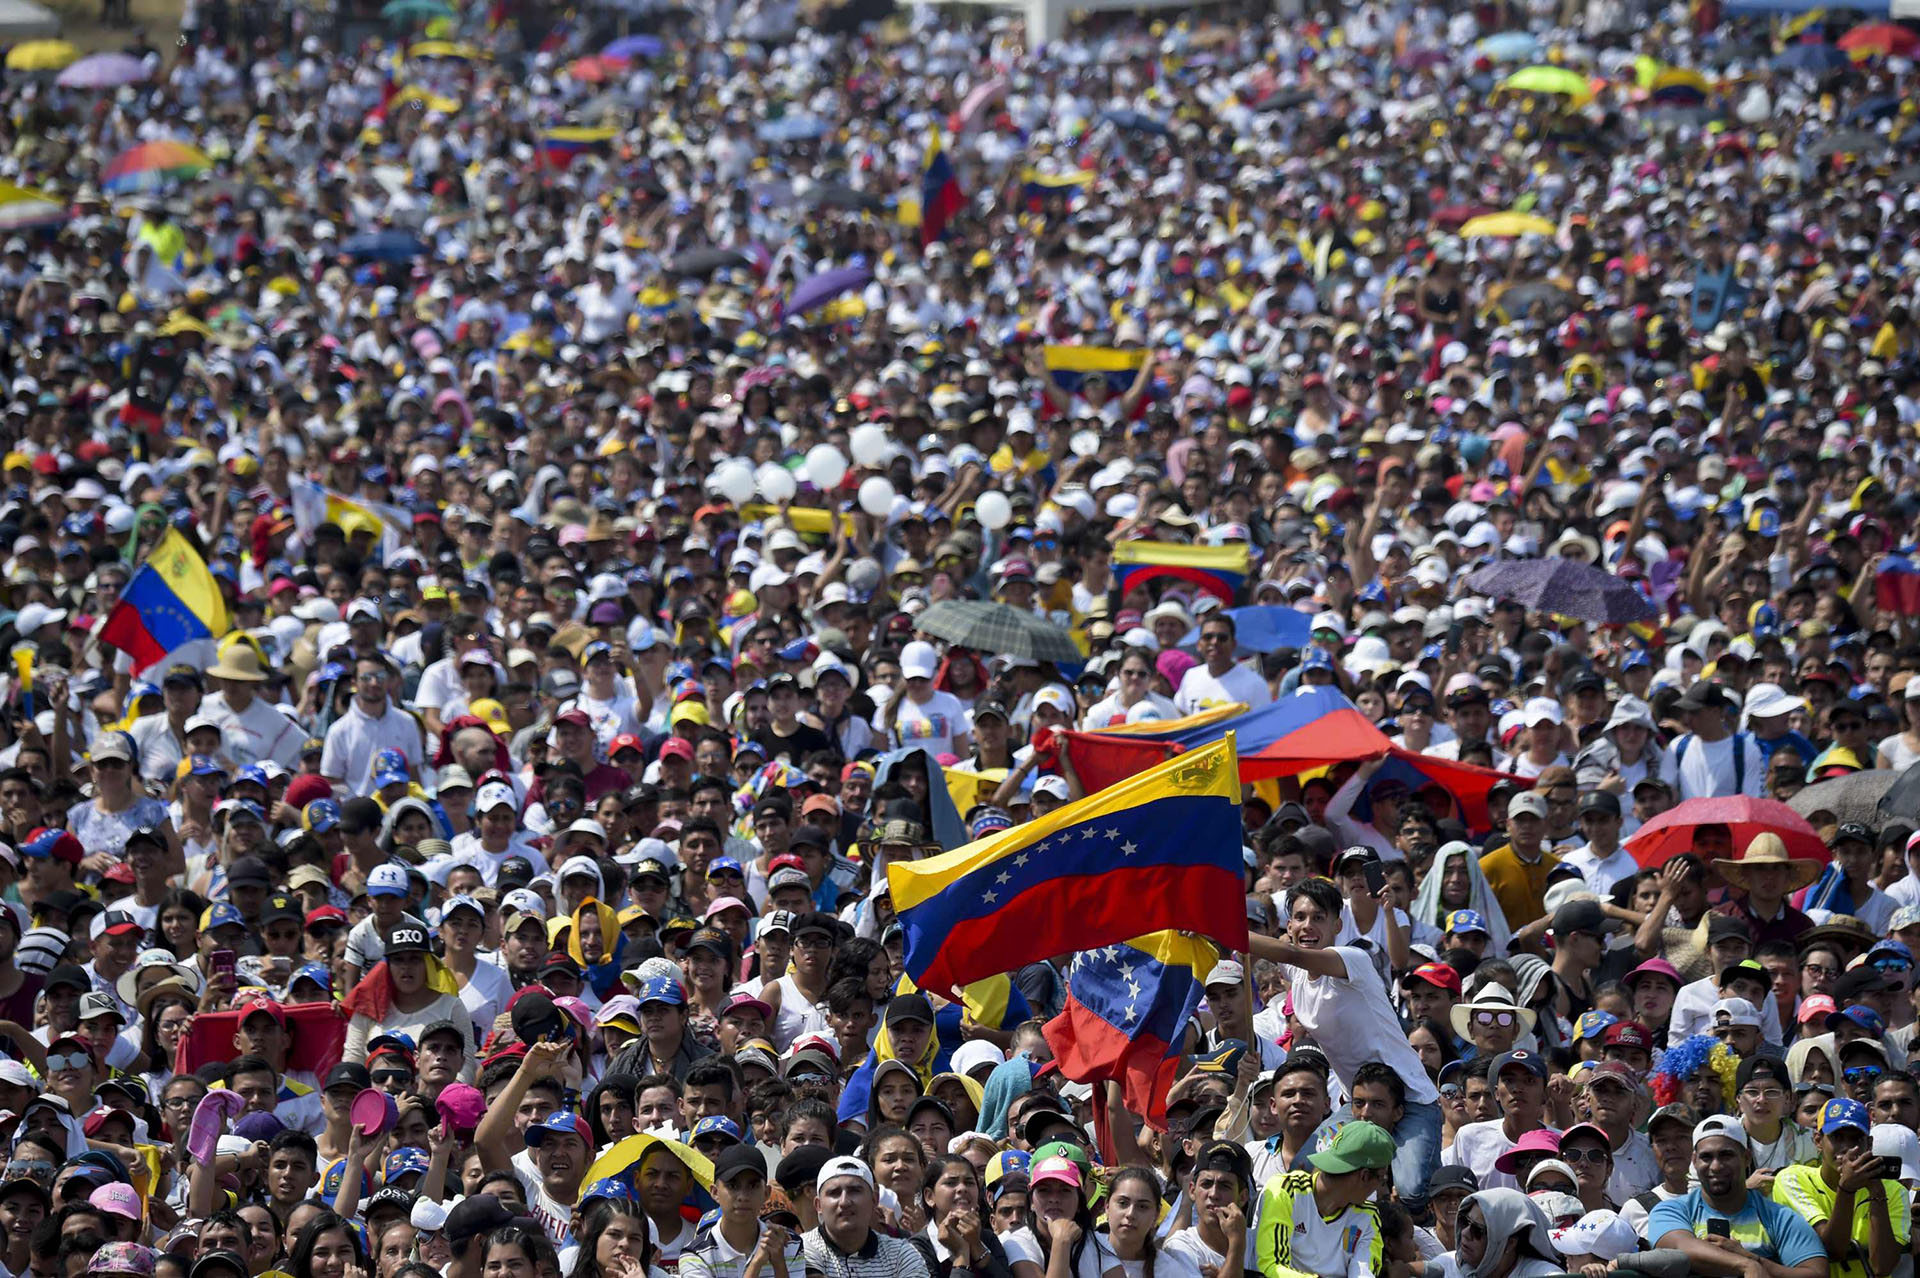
1160 850
172 600
1218 570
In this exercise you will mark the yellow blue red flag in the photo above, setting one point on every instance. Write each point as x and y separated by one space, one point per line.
172 600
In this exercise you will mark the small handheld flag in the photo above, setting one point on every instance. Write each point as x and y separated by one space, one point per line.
940 195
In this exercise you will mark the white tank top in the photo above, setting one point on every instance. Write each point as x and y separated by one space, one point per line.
797 1015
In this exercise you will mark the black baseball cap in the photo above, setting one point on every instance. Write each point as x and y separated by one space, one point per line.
739 1158
1600 801
69 976
348 1074
909 1007
800 1168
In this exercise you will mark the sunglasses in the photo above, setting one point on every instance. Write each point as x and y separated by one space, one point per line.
68 1060
1864 1073
32 1170
1493 1018
1577 1156
1472 1228
1452 1091
392 1076
1892 965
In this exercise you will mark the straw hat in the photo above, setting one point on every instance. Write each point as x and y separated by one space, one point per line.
1767 849
1490 998
240 663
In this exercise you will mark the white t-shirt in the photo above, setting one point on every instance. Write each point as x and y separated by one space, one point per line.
1166 1264
1353 1022
1477 1146
1199 689
1704 769
1600 876
935 725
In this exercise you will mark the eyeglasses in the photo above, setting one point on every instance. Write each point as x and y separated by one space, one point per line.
1763 1093
1578 1156
370 676
183 1102
1493 1018
69 1060
1820 969
1854 1074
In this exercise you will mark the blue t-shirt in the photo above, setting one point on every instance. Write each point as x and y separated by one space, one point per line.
1764 1227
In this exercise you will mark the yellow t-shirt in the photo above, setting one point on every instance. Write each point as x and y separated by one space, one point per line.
1803 1189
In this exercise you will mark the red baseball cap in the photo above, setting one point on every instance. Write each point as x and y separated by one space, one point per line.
578 718
119 872
326 914
1627 1034
1438 975
625 741
676 748
267 1005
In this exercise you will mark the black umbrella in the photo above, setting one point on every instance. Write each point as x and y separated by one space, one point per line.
705 261
838 195
1536 297
1902 798
997 628
1565 587
1849 142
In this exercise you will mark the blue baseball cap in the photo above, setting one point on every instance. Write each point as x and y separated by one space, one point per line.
382 780
598 648
1896 949
1865 1017
315 972
201 765
724 865
717 1124
254 773
246 807
323 815
330 1184
223 914
662 989
990 821
144 689
1463 921
1316 659
403 1162
1841 1112
717 662
390 760
1593 1024
560 1123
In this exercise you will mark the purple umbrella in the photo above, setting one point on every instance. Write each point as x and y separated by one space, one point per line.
103 71
824 287
627 48
1564 586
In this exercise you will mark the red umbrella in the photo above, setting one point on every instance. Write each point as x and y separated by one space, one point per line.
1671 833
1455 216
1882 38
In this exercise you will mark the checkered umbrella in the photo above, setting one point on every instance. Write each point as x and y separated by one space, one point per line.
995 629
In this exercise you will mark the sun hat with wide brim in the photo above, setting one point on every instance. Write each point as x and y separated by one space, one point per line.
1767 849
1491 998
239 663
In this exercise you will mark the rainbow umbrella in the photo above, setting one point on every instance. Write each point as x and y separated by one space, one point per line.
103 71
21 208
42 55
152 165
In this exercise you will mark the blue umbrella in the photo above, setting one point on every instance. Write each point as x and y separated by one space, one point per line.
1263 628
385 246
792 128
1874 109
1510 46
627 48
1567 587
1136 121
824 287
1816 58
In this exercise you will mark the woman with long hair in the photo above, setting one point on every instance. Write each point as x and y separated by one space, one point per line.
1432 1042
1133 1213
866 960
178 923
709 964
894 1090
166 1010
515 1251
614 1241
1059 1236
329 1247
406 992
957 1235
898 1164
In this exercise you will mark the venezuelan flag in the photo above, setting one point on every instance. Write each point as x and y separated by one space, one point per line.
1068 366
1896 586
1108 756
940 196
1160 850
1037 187
622 1160
1218 570
1126 1016
171 601
560 147
1677 86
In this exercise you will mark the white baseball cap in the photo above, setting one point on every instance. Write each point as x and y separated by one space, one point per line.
918 660
1543 709
834 1168
494 795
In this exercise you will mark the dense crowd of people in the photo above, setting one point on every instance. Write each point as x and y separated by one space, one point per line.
575 435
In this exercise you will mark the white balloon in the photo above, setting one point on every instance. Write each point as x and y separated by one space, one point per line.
734 479
993 509
776 483
826 467
876 495
869 444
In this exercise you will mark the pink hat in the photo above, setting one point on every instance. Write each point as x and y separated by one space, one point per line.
1654 967
1055 1168
1815 1007
117 1199
1537 1141
722 904
461 1105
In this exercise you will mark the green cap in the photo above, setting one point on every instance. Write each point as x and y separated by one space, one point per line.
1357 1146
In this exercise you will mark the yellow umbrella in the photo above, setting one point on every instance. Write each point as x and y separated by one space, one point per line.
1551 80
445 49
1506 226
42 55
